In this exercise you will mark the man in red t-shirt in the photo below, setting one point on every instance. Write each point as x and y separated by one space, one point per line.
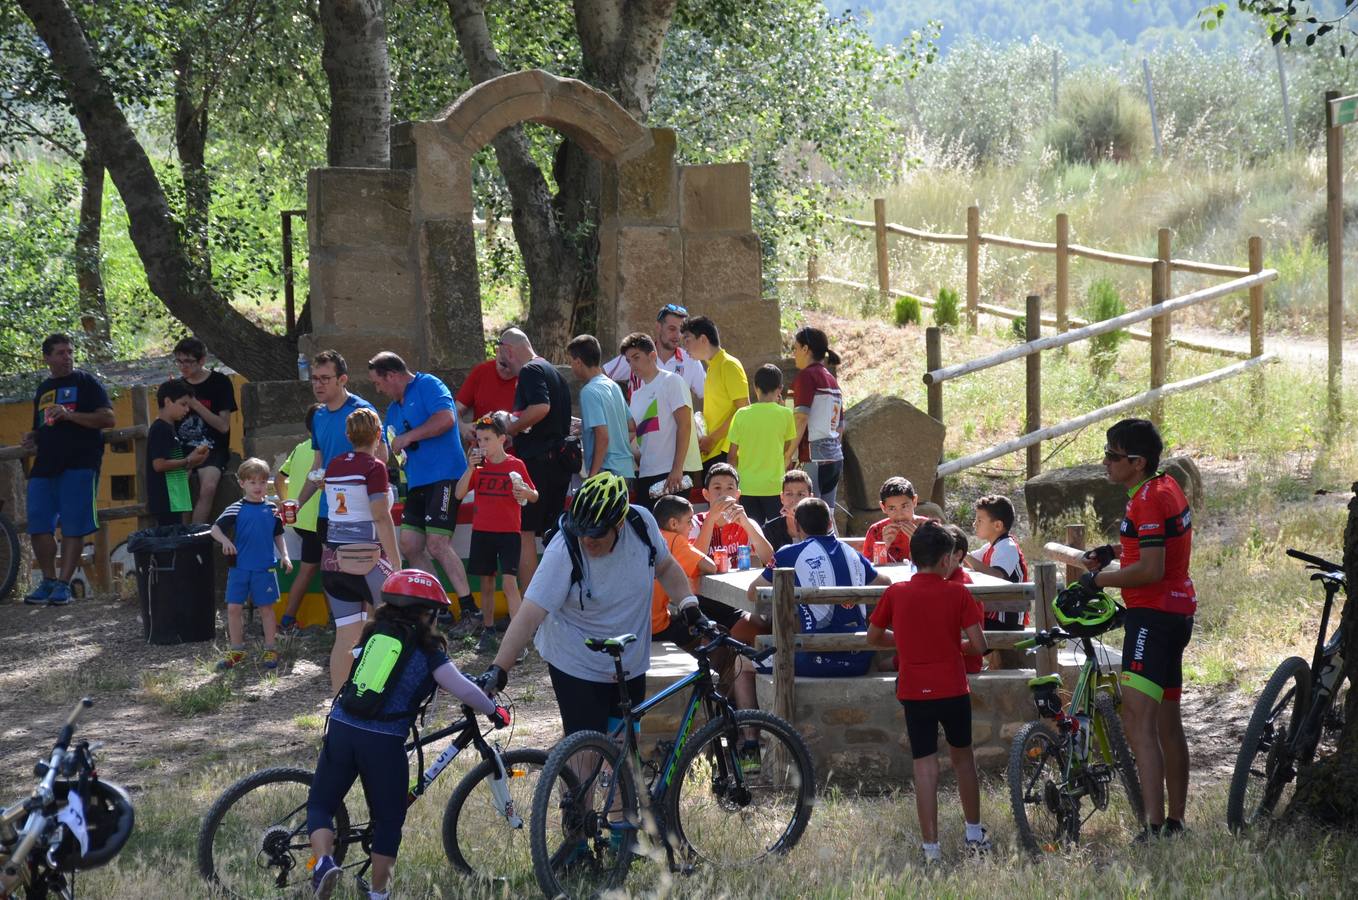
501 483
1155 544
489 388
921 618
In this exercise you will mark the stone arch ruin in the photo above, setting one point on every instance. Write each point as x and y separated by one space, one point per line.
393 254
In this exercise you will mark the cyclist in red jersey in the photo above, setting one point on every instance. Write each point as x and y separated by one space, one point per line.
1156 540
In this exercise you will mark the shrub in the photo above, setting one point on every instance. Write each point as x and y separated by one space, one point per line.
907 311
1102 302
1018 329
1100 119
945 309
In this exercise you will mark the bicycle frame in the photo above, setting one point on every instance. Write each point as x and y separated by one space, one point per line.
1091 680
1327 668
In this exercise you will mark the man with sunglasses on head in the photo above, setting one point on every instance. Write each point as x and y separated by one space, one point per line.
1155 543
669 355
208 422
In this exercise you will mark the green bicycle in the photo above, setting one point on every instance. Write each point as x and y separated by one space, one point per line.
1073 754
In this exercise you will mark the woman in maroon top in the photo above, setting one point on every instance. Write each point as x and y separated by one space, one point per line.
819 412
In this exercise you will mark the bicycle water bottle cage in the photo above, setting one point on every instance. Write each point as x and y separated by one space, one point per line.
612 646
1046 695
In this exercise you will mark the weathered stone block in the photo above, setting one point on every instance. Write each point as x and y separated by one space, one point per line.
886 436
362 288
451 291
267 405
443 175
643 190
991 757
866 736
860 767
715 197
358 207
649 274
750 330
1063 494
982 729
844 715
857 522
719 269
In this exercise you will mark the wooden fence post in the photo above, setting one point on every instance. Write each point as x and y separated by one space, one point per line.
1256 246
1062 272
1045 582
973 266
784 634
141 415
883 263
1165 254
1075 537
933 359
1159 274
1033 418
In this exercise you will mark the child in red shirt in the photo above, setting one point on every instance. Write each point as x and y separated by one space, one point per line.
897 499
921 619
502 486
974 663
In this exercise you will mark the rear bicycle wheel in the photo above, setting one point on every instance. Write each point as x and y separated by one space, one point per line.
1266 767
253 842
1118 755
584 783
732 810
479 837
1046 817
10 555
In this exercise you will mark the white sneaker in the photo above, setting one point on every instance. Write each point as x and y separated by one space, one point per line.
980 847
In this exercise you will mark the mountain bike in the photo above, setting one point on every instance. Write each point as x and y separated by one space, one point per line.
10 556
1070 755
72 821
734 791
1295 711
254 841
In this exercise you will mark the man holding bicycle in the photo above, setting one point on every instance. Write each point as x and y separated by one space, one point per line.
595 580
1155 544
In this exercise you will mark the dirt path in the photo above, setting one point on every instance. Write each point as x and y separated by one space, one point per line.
1298 350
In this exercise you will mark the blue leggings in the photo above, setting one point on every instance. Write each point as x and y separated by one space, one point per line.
380 761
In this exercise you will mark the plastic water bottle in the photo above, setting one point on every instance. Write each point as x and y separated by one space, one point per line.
303 367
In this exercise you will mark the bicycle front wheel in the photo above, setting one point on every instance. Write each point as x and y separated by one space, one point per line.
741 793
1118 756
1046 817
253 842
1266 768
10 555
485 826
585 818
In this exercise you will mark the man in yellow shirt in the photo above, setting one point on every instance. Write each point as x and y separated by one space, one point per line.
725 389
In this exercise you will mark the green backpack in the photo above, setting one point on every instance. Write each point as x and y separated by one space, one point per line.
377 671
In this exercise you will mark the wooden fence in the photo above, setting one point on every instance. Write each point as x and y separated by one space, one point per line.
100 572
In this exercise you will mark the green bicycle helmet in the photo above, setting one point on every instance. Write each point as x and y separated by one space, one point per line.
1085 613
598 507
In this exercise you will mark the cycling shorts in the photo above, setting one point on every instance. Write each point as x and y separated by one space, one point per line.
589 705
923 718
1153 652
431 508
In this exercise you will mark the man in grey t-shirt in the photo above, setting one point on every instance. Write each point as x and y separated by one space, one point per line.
612 597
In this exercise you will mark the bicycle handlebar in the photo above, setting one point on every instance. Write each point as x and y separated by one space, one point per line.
68 730
1315 560
722 638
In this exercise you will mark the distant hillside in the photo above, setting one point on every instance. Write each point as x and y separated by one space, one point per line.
1085 30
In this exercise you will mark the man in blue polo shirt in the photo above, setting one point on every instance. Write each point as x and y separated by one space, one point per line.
424 420
69 410
329 380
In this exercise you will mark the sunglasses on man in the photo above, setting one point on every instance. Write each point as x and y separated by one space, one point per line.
1111 455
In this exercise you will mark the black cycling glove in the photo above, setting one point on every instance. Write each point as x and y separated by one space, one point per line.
1087 582
1103 553
694 618
493 680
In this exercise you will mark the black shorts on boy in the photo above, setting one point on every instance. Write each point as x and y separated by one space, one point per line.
923 717
494 551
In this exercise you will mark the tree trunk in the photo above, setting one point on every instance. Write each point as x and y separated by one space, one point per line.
88 276
170 270
355 60
1327 791
190 141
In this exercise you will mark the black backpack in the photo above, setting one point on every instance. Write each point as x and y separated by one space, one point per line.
634 519
377 671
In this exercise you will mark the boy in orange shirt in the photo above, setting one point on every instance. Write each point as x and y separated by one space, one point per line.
897 499
674 515
921 618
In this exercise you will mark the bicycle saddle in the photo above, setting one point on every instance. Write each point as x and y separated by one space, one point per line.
612 646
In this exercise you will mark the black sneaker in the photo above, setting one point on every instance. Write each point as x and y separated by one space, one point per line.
1173 828
487 642
1148 834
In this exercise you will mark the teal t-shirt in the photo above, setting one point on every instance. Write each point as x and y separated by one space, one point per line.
601 403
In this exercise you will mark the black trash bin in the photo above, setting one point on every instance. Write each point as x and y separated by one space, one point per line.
175 581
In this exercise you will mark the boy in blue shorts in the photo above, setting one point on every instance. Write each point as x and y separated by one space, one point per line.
251 535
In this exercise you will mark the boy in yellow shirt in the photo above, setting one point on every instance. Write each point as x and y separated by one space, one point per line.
725 389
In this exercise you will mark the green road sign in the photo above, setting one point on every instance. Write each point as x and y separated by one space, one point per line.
1343 111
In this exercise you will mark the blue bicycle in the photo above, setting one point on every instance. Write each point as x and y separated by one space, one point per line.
729 793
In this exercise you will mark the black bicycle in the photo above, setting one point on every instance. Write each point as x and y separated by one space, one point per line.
739 788
73 821
10 555
1295 712
254 842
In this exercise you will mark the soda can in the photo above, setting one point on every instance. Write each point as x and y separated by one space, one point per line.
722 560
879 555
289 512
743 557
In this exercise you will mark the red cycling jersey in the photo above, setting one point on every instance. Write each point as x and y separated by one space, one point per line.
1158 515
